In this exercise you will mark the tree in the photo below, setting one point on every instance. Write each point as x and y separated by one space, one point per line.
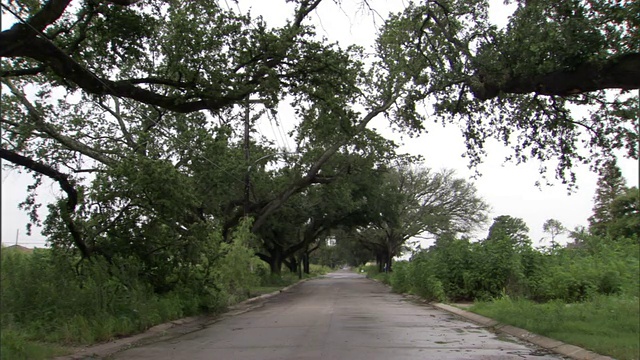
517 84
507 257
296 229
625 213
416 200
554 228
610 185
125 91
513 229
349 251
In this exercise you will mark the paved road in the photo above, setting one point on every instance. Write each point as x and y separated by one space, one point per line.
341 316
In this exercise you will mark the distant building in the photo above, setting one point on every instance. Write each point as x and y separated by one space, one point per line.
18 248
331 241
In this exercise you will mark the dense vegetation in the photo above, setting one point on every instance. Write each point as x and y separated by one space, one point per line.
460 270
585 293
145 114
47 298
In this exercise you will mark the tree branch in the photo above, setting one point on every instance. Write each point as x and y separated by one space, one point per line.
311 175
22 72
619 72
41 125
65 184
23 41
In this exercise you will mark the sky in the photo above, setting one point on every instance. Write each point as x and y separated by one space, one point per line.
508 188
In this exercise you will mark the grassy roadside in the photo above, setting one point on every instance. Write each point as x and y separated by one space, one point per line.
18 344
46 310
372 272
608 325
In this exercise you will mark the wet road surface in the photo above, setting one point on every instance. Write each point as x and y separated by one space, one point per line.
340 316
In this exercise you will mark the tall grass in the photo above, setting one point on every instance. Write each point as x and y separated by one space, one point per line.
49 299
45 300
586 296
605 324
50 302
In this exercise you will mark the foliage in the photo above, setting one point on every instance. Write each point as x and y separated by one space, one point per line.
518 84
401 280
51 297
457 269
317 270
607 325
237 269
302 226
554 228
425 283
514 229
109 100
150 193
413 201
625 211
417 278
14 345
610 185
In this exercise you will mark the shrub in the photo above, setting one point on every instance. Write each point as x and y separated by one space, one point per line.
424 283
315 270
399 279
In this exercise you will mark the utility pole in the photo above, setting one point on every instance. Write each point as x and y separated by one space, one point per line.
247 179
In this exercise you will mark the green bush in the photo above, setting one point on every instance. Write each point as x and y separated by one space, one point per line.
400 279
316 270
424 282
610 283
459 270
54 297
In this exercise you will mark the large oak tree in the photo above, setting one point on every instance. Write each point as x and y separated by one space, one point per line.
553 84
146 97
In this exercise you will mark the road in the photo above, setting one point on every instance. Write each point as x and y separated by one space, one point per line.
340 316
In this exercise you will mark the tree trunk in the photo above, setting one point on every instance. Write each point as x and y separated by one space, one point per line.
389 259
380 261
292 264
299 269
275 262
305 263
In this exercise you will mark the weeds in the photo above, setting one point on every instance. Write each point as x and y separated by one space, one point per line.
587 296
46 302
606 324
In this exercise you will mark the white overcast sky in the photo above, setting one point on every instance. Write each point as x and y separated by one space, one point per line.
509 189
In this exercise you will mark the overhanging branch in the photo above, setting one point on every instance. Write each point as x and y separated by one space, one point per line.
619 72
65 184
46 128
311 175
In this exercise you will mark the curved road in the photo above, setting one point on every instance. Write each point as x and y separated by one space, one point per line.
340 316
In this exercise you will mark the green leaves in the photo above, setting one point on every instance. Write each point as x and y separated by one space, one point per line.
518 84
414 201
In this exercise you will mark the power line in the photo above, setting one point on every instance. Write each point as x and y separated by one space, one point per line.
283 132
273 130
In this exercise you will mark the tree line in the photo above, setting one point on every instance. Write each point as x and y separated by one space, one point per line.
135 108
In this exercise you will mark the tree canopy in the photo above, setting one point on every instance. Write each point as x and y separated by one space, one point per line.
135 108
417 200
523 83
610 184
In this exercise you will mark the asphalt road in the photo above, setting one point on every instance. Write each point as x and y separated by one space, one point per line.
341 316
